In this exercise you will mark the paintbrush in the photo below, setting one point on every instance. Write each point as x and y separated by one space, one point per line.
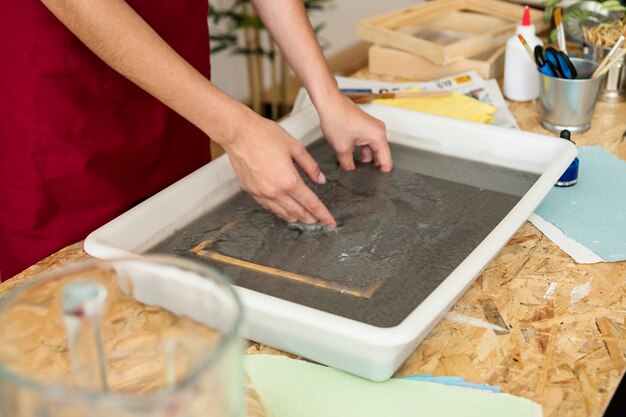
527 47
618 56
364 98
560 31
608 56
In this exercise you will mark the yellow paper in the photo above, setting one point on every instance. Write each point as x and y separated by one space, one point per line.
457 106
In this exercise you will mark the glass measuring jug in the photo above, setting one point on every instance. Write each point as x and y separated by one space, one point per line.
154 336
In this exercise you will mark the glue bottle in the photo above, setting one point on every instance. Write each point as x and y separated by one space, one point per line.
521 78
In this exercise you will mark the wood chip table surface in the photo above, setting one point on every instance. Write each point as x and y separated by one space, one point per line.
517 326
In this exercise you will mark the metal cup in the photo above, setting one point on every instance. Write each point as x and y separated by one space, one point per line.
614 84
569 104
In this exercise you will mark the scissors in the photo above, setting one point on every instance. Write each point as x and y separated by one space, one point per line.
554 63
544 66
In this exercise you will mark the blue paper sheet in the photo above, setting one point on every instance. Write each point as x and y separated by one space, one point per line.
593 212
456 381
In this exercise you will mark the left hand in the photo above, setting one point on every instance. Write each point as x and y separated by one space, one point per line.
346 126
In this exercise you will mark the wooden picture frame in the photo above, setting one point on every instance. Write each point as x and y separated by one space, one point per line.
396 63
445 31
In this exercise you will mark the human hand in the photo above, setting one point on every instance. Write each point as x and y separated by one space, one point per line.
346 126
263 155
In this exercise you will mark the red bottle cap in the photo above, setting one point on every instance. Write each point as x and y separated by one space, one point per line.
526 18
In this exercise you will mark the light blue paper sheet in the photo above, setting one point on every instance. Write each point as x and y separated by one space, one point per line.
456 381
593 212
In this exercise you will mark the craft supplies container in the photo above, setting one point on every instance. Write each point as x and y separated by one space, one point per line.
613 87
149 336
569 104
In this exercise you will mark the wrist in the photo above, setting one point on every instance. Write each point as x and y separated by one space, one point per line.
229 127
332 105
325 93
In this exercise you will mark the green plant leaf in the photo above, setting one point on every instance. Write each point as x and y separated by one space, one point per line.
547 14
235 18
552 37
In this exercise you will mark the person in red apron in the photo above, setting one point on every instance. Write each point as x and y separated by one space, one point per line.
106 102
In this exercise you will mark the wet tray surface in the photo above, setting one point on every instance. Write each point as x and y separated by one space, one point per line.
400 234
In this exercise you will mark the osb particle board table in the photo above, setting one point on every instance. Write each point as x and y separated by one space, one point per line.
566 355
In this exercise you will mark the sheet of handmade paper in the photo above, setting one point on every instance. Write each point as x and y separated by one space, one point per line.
400 234
592 213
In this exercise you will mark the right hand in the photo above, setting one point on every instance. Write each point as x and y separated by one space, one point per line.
263 155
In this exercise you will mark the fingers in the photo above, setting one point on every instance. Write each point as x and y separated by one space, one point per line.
275 208
380 147
296 202
346 160
297 211
383 157
367 155
304 159
304 197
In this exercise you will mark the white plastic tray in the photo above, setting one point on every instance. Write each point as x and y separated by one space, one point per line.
369 351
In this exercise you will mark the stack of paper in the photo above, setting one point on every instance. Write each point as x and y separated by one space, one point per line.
457 106
469 84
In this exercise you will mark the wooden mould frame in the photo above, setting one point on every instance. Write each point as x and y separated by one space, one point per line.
204 250
387 29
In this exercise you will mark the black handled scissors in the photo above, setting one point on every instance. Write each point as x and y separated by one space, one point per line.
544 66
558 62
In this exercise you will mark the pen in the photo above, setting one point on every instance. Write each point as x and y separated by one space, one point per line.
364 98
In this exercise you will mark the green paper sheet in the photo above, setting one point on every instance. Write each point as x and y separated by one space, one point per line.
294 388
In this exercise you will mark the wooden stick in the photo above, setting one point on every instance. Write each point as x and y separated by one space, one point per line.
612 52
291 276
618 56
364 98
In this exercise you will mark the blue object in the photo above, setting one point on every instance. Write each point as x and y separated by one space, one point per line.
551 56
570 176
593 213
543 66
355 90
566 66
452 380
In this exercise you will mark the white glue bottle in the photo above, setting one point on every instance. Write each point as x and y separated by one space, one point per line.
521 78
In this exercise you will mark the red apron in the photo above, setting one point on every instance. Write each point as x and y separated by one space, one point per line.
80 144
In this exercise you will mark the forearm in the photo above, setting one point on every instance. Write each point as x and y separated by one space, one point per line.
290 28
122 39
